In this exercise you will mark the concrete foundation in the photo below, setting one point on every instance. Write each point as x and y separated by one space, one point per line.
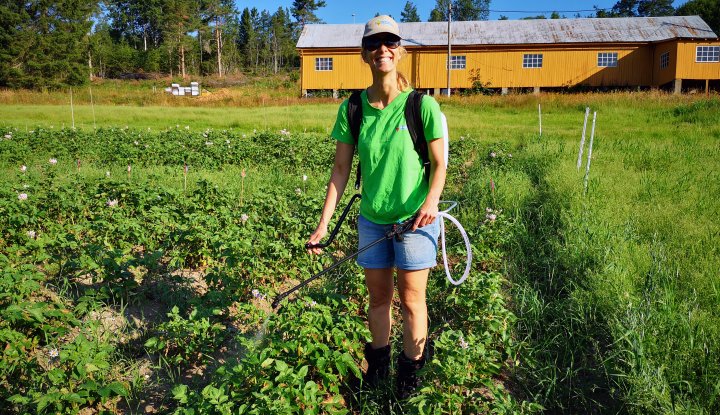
678 86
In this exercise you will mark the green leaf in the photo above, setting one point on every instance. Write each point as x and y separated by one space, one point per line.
151 342
46 400
180 393
74 398
118 388
280 366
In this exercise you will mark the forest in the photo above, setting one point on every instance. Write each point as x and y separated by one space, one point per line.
52 44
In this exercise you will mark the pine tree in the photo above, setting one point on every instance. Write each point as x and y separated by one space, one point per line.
248 39
45 44
181 17
468 10
440 12
216 13
137 22
462 10
15 42
639 8
655 8
280 37
304 11
409 13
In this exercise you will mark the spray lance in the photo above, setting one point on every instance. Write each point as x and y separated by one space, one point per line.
396 232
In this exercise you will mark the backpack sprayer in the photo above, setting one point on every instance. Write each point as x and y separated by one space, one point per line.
396 232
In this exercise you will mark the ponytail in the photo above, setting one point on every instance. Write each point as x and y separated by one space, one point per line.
402 82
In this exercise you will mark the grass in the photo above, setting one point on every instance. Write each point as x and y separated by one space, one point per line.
616 291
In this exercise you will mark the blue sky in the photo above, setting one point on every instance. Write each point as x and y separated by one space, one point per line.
342 11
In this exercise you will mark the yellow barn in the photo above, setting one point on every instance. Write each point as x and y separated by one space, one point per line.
611 52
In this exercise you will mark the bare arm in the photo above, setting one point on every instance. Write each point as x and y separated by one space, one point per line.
429 209
336 186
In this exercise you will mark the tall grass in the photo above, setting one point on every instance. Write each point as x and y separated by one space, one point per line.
616 291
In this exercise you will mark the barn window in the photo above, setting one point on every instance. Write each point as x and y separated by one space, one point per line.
607 59
532 60
707 54
457 62
664 60
323 64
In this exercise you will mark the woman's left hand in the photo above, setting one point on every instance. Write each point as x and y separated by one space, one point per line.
426 215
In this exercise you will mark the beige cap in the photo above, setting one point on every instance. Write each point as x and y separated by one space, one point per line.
381 24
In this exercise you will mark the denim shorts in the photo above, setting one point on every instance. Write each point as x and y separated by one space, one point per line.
417 250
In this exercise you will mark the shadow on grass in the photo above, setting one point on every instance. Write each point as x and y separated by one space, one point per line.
564 332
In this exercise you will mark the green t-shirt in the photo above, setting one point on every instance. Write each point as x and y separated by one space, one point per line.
393 184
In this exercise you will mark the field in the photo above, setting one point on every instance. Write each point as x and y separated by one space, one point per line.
132 284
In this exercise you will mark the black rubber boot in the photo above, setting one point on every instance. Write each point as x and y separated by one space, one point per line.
378 365
407 378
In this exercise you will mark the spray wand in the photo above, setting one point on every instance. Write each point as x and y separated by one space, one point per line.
396 232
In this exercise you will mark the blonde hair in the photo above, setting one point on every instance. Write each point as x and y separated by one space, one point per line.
402 82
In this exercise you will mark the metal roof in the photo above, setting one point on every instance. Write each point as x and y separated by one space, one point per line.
514 32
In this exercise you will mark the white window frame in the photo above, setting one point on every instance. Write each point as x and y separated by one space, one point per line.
707 54
458 62
532 60
323 64
607 59
665 60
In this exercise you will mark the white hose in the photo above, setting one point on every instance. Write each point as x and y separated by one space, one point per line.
443 215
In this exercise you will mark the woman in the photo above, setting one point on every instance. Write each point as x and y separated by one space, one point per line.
394 189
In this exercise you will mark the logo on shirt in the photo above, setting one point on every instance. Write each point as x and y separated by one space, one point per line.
401 128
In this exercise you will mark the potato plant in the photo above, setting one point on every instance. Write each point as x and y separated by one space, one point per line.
160 247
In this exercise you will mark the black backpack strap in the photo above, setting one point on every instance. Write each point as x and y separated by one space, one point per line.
354 114
416 129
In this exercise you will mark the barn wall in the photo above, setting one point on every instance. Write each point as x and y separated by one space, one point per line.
496 67
689 69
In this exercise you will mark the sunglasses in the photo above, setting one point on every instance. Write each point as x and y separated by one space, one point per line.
374 44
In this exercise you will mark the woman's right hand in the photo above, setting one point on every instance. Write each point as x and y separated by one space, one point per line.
316 237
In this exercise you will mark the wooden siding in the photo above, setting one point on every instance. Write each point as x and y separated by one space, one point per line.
560 68
689 69
349 70
662 76
563 66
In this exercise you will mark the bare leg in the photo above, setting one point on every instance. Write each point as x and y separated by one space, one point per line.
380 286
412 286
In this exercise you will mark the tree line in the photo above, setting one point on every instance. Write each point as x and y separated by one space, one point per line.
48 44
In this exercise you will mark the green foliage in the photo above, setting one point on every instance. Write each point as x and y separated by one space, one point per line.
478 87
183 340
462 10
709 10
639 8
612 293
109 240
700 112
304 11
44 45
409 13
